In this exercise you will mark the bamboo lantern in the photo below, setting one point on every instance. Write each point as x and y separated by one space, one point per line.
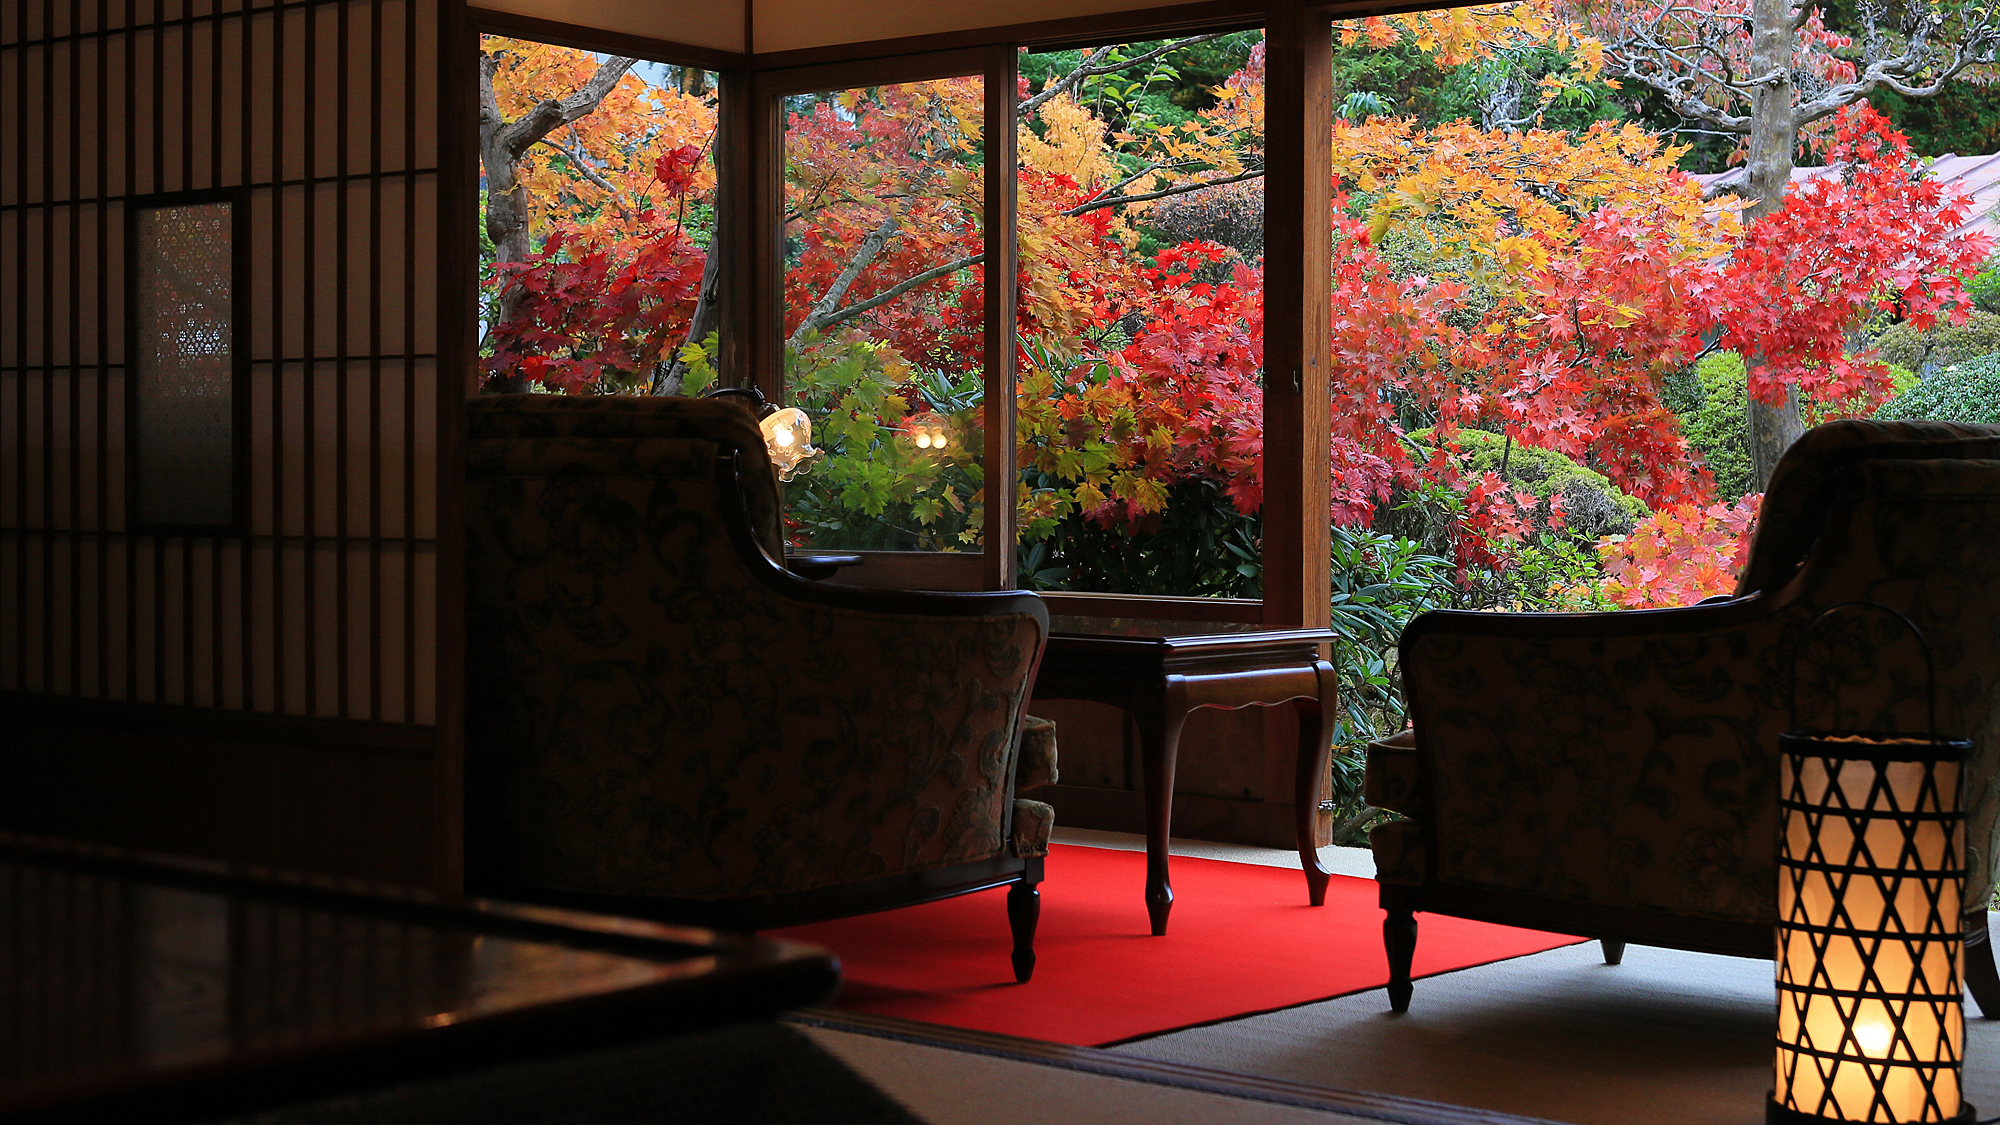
1871 871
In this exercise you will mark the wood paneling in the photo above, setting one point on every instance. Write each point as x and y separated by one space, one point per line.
312 110
323 604
346 798
498 19
797 25
718 25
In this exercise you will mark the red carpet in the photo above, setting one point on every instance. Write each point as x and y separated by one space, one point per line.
1242 940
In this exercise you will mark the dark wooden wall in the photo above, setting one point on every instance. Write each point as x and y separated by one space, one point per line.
140 673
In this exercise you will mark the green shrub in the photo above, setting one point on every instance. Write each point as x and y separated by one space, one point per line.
1983 287
1198 546
1379 583
1962 392
1593 506
1928 352
1714 410
1713 406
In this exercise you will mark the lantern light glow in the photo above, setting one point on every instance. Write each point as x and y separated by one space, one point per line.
788 439
1871 873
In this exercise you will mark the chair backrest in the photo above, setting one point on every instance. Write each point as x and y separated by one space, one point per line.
656 709
1631 757
494 420
1802 487
1921 536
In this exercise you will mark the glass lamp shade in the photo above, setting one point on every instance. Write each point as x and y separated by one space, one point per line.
1871 873
788 439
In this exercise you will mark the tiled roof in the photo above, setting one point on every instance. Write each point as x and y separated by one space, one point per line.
1978 177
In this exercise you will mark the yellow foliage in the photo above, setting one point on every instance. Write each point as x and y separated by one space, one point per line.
1456 36
1071 144
620 142
1507 196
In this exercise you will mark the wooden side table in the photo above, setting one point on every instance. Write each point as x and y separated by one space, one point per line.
1158 671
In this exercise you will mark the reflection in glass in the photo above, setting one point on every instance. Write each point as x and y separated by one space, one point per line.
185 365
884 308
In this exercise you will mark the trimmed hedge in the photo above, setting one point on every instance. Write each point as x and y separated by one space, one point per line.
1962 392
1593 506
1714 413
1928 352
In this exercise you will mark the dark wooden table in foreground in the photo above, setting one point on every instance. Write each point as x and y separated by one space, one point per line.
138 991
1158 671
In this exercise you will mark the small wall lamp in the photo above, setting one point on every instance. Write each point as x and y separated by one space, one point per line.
787 431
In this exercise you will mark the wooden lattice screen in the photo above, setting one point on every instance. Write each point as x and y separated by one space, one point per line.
319 119
315 606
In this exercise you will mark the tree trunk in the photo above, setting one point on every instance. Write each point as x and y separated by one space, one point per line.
669 375
501 145
1774 135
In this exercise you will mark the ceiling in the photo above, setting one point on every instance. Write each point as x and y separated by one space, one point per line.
790 25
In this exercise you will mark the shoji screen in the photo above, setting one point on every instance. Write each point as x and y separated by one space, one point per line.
316 602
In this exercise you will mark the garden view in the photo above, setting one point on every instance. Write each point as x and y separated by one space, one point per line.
1562 366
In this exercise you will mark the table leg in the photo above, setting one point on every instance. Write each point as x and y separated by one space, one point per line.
1315 752
1159 744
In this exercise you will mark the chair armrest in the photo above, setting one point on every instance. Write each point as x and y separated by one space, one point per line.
1037 763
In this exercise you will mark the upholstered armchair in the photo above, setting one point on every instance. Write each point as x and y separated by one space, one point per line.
1615 775
664 721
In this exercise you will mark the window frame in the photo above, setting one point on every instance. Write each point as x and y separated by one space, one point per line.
992 567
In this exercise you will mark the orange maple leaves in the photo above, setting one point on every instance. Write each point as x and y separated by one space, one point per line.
1680 555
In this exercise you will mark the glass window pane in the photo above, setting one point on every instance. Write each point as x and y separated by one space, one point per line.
185 365
1141 211
595 275
884 314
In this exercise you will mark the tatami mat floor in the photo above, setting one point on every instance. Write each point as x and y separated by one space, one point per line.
1667 1038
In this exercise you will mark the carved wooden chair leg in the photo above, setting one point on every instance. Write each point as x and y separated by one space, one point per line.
1614 950
1981 978
1399 940
1024 910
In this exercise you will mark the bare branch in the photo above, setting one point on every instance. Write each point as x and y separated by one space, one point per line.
1069 81
819 315
518 136
1975 45
1177 189
935 272
582 168
894 291
1682 101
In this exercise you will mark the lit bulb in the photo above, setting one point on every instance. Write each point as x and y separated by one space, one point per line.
1873 1038
938 439
923 440
788 439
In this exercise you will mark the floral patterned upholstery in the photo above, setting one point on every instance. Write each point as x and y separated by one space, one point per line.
1038 755
1629 760
656 709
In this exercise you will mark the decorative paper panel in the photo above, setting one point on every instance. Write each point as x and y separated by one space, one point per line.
186 436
